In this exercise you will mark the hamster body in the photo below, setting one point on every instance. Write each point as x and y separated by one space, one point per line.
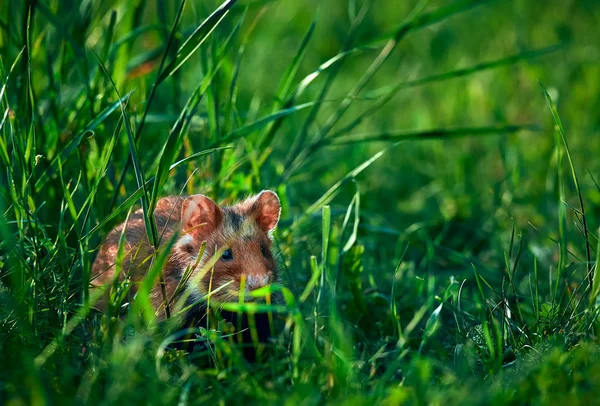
237 250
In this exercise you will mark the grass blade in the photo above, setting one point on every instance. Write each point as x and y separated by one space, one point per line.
300 156
75 142
286 83
10 71
431 326
259 123
333 191
139 173
135 196
331 63
387 93
596 279
197 38
560 132
427 19
149 221
142 303
335 67
438 133
416 19
150 96
314 279
174 141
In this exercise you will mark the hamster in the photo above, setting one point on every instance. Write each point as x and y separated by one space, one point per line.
237 248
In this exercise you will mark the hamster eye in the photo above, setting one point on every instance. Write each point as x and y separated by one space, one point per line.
227 255
263 250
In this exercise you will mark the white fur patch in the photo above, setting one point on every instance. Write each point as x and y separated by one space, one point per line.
185 240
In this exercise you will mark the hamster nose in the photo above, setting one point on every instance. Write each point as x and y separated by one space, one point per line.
254 281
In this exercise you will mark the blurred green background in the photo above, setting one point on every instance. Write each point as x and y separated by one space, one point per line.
505 175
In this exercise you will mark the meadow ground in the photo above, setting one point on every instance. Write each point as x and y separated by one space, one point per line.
437 163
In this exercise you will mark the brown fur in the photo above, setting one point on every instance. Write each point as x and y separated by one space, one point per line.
243 228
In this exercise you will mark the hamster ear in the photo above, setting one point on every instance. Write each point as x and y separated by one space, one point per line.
199 214
266 209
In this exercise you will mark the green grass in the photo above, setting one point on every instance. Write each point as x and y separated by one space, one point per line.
439 237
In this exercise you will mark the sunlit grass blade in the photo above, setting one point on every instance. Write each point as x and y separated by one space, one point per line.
3 146
458 73
173 145
4 102
10 71
371 70
68 195
139 173
331 63
157 81
193 42
431 326
115 300
149 220
302 152
355 203
560 132
413 323
441 133
287 80
155 85
385 94
416 19
335 189
142 303
76 141
249 307
430 18
325 234
596 270
104 55
333 66
323 68
290 73
259 123
107 153
174 141
314 279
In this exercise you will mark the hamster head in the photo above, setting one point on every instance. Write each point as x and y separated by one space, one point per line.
238 245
